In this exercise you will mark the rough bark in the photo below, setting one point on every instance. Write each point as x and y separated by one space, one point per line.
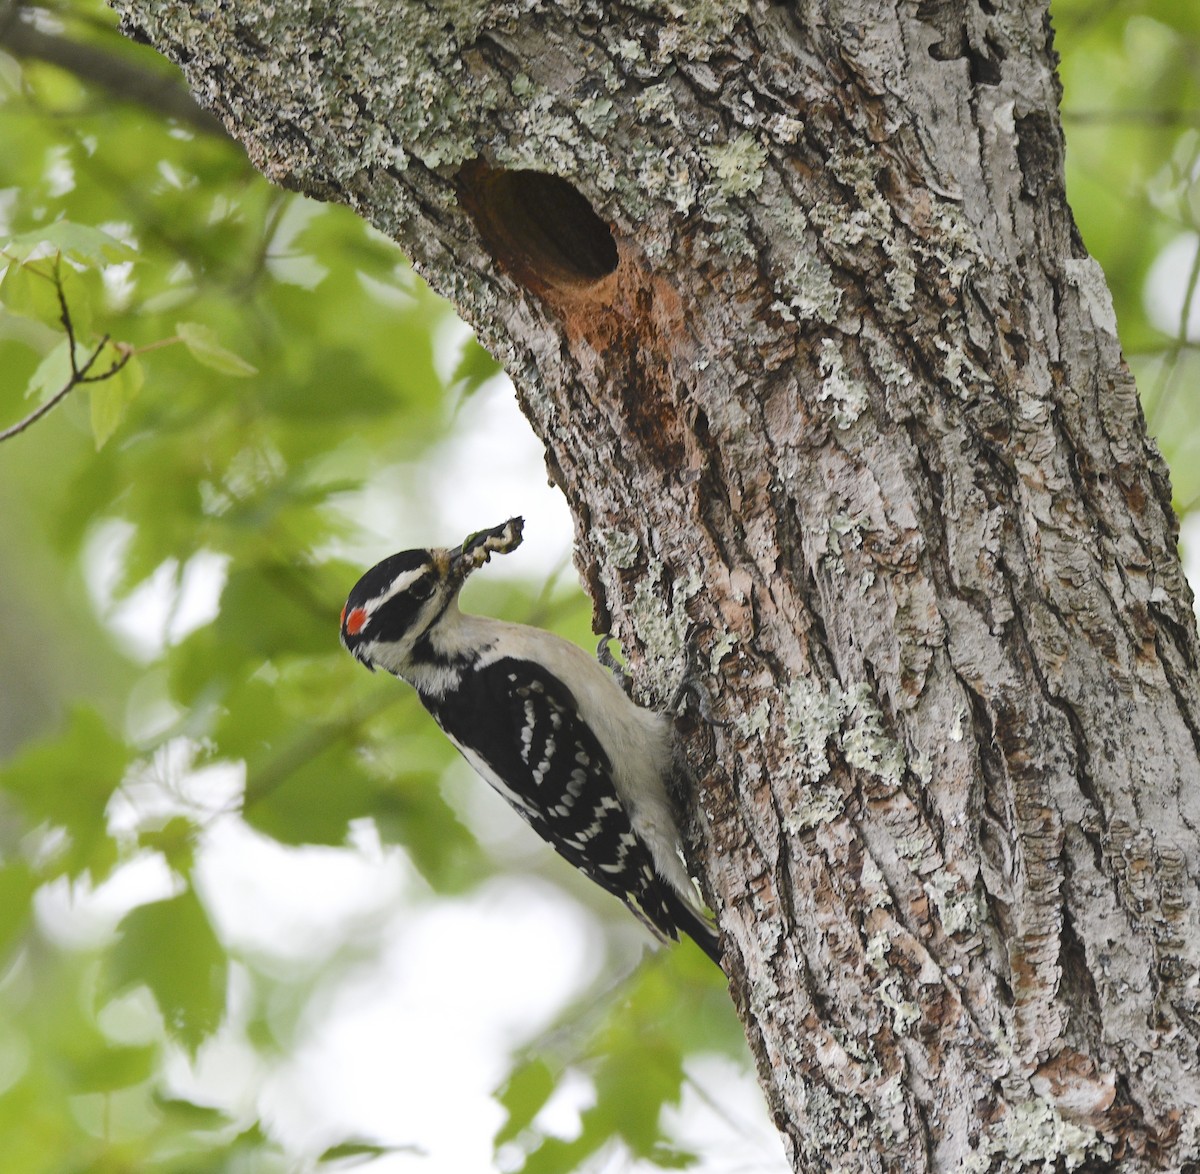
834 392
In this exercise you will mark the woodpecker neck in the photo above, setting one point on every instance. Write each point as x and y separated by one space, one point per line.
442 653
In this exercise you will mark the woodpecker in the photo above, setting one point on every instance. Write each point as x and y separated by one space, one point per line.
542 721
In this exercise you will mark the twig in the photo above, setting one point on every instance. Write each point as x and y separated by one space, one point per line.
35 416
1166 385
96 66
79 374
77 377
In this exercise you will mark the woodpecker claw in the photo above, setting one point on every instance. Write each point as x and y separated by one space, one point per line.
605 657
695 684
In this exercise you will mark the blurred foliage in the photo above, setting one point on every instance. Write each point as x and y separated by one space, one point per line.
1131 113
285 361
278 360
631 1047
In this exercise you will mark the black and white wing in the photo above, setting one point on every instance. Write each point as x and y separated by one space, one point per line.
518 725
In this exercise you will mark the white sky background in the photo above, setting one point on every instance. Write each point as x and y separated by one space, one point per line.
406 1045
1167 285
1165 298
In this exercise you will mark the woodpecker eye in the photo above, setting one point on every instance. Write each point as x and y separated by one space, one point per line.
422 588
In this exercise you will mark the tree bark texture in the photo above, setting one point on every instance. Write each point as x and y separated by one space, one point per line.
793 295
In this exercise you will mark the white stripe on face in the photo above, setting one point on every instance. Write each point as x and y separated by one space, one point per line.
400 584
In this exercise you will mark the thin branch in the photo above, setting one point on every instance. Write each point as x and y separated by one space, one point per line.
35 416
1166 384
78 376
126 354
79 373
281 766
145 348
109 71
1149 117
64 316
1189 298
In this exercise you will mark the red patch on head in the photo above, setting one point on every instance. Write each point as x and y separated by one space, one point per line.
342 621
355 620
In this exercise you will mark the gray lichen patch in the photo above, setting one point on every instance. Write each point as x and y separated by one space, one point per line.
312 84
656 105
1031 1135
812 719
1086 276
905 1013
662 176
809 291
819 804
691 30
892 372
901 278
849 719
663 629
737 166
846 395
958 909
865 744
756 722
621 547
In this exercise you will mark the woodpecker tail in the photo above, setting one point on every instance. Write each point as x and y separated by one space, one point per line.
695 925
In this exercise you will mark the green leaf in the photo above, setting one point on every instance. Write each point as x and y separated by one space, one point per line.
632 1085
308 792
31 290
523 1095
112 394
67 783
81 242
113 1067
354 1153
189 1115
175 840
17 886
305 395
53 373
201 340
554 1156
412 812
170 947
473 369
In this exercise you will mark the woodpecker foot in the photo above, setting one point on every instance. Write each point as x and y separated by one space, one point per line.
695 685
605 657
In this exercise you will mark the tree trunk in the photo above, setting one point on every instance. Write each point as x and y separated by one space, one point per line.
794 298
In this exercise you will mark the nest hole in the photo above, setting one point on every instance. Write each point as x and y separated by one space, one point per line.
539 227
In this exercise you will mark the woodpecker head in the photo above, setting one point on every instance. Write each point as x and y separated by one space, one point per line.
393 607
